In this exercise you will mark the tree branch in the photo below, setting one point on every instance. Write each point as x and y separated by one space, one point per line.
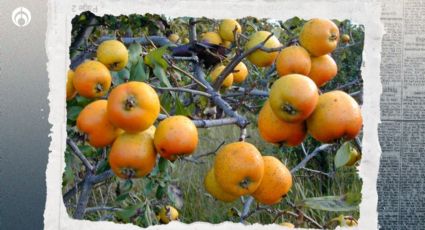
84 33
310 156
246 207
79 154
192 91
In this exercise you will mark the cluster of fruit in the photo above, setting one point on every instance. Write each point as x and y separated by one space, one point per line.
240 169
125 119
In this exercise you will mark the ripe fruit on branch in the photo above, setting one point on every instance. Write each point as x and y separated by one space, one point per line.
228 81
293 97
92 79
176 135
94 122
70 90
211 37
226 28
337 115
174 38
293 59
132 155
274 130
261 58
345 38
168 214
113 54
240 72
319 36
276 182
215 190
239 168
133 106
323 69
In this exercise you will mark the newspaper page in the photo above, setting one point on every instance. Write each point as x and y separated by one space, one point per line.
401 177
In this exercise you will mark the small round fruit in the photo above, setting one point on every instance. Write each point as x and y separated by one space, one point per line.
94 122
70 90
274 130
113 54
319 36
261 58
211 37
168 214
226 44
174 38
345 38
240 72
92 79
215 190
293 59
133 106
337 115
287 224
226 28
239 168
185 40
323 69
276 182
228 81
293 97
132 155
176 135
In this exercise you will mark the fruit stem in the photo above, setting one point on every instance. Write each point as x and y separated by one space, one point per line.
130 103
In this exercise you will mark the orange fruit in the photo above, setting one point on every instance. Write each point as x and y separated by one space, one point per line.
226 28
94 122
337 115
323 69
70 90
92 79
276 182
319 36
239 168
228 81
345 38
293 59
293 97
261 58
240 72
211 37
133 106
113 54
132 155
176 135
274 130
215 190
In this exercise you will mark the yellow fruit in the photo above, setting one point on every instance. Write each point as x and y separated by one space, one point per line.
345 38
226 44
293 59
287 224
70 90
239 168
215 190
276 182
261 58
211 37
113 54
240 72
354 157
186 40
92 79
226 28
228 81
174 38
293 97
168 214
319 36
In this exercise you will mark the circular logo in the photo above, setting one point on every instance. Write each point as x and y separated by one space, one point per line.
21 17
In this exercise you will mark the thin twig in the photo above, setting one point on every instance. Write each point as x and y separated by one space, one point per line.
79 154
310 156
191 91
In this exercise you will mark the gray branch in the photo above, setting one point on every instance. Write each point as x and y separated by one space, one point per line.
310 156
79 154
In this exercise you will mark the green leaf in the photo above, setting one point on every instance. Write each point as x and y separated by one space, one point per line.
82 101
175 195
149 187
160 192
160 74
342 156
127 212
128 184
155 57
163 164
138 72
120 76
348 202
73 112
103 166
134 52
121 197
